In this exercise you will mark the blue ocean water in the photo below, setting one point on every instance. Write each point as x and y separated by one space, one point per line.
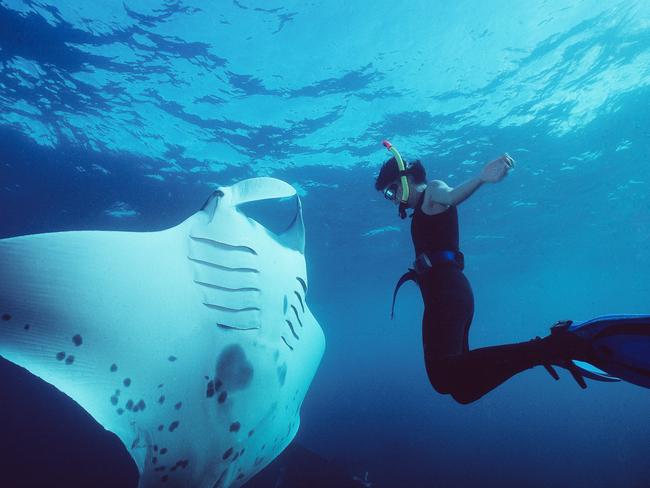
127 115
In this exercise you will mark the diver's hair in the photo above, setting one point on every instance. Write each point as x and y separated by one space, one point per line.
389 172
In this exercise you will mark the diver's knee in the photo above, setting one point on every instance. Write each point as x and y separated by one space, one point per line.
445 378
463 398
444 386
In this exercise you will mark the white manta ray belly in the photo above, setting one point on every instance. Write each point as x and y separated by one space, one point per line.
194 345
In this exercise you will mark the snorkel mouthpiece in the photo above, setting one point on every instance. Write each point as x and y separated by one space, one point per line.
402 172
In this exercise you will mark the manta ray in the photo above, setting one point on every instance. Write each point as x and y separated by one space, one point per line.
194 345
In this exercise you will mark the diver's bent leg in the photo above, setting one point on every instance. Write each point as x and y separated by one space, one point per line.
469 376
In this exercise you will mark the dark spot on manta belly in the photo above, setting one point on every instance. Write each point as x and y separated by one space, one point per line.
227 454
27 326
180 464
129 405
178 405
209 392
69 360
161 400
234 369
161 427
113 368
6 316
250 433
77 340
172 358
234 427
127 381
163 450
174 425
60 356
223 396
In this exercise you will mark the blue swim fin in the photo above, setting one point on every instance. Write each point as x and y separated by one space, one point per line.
620 349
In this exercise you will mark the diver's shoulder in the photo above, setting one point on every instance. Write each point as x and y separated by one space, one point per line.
436 196
435 187
434 184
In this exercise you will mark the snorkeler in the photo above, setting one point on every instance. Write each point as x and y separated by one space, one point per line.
451 366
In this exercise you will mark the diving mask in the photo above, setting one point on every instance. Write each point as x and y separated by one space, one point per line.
390 193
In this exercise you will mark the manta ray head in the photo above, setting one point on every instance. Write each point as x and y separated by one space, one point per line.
247 258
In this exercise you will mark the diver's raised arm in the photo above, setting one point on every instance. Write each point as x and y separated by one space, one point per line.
439 192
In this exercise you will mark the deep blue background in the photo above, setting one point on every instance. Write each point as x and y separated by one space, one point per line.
566 235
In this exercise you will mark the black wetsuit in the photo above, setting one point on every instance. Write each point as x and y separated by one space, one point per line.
448 311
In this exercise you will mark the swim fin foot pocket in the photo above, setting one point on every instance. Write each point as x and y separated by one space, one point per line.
609 348
562 348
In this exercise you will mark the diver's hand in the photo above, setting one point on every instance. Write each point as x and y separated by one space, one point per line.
496 170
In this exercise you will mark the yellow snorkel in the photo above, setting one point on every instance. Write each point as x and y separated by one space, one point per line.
402 174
